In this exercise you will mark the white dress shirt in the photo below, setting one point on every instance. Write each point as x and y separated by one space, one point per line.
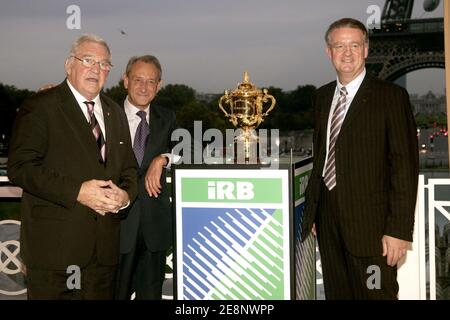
133 122
352 88
98 111
132 117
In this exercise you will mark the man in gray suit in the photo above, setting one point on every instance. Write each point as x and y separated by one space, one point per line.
71 153
146 233
362 190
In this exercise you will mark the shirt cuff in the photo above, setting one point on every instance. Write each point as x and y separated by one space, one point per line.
125 206
171 158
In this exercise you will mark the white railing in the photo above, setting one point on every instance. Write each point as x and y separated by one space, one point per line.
435 205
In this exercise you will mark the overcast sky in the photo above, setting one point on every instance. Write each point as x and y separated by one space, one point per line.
205 44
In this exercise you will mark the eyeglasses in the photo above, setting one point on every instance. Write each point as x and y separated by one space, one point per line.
89 63
354 47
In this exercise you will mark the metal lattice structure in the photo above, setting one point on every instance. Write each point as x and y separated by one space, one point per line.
402 44
397 10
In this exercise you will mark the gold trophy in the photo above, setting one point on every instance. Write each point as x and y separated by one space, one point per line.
246 104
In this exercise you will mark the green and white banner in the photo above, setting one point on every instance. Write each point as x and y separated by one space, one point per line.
232 234
305 258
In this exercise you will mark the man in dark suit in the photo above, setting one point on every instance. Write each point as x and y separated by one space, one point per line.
362 190
71 153
146 233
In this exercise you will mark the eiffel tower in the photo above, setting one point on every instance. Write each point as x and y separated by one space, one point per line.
402 44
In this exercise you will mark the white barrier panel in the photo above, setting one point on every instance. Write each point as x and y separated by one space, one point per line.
437 211
411 274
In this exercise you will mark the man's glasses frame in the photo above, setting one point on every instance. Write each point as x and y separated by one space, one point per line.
341 47
90 62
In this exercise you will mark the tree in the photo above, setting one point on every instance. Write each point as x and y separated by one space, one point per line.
280 97
197 111
118 93
275 118
174 96
301 98
425 121
11 99
301 103
293 111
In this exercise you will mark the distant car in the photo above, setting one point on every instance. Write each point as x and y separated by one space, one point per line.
423 148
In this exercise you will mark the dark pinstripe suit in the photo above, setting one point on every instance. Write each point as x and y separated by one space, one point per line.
376 173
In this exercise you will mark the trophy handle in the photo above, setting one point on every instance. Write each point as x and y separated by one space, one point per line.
265 98
224 98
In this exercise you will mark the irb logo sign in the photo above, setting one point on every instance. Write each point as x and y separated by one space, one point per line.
227 190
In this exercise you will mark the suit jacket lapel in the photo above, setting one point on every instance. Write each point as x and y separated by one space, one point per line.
76 119
327 100
358 102
110 134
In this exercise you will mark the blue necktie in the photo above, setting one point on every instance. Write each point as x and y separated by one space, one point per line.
140 138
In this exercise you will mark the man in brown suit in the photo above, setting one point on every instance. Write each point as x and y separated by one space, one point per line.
71 153
362 190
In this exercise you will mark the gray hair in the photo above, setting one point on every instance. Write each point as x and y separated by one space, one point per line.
347 23
146 59
88 38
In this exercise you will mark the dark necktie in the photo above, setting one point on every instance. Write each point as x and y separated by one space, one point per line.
140 138
336 124
96 131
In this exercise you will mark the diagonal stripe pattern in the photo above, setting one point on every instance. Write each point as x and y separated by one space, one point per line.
237 256
336 124
96 131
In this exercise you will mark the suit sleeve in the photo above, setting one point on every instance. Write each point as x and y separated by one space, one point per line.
26 167
403 165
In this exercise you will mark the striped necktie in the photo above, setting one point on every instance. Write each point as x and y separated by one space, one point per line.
96 131
336 124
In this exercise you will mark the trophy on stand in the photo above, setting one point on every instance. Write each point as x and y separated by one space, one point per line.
246 112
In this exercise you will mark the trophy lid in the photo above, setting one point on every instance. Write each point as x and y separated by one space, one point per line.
245 88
